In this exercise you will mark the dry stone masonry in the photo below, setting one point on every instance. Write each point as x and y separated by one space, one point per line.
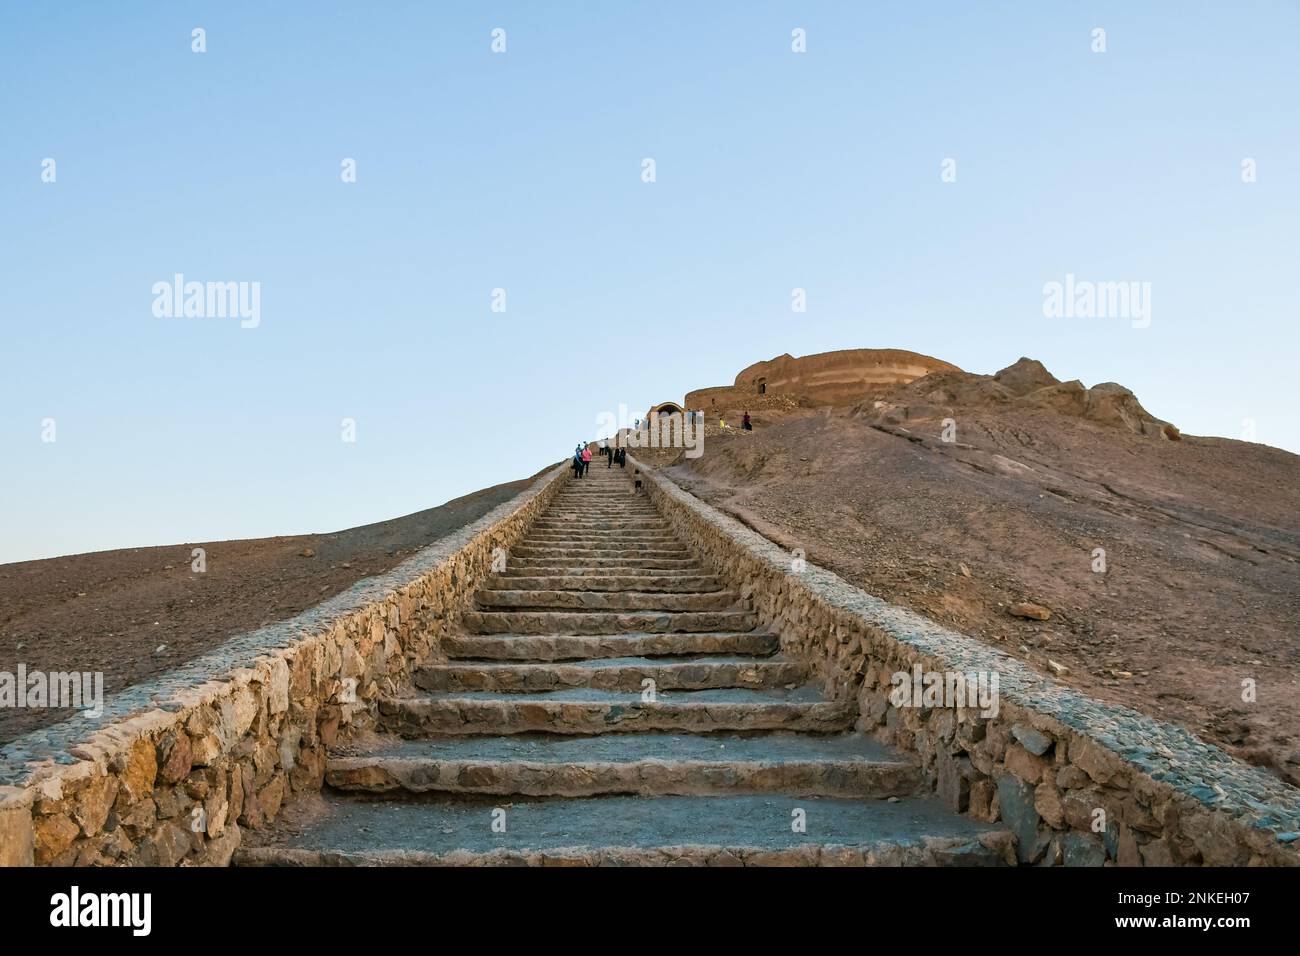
178 769
608 700
1079 782
644 681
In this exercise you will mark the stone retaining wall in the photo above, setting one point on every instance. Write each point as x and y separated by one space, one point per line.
176 766
1078 781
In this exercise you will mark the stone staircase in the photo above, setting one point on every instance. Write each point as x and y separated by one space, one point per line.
610 701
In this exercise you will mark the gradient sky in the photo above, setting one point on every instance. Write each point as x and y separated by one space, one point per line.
522 170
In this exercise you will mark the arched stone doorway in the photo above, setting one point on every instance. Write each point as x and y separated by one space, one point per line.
664 408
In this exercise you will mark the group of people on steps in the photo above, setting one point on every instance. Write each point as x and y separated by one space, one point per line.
618 456
582 457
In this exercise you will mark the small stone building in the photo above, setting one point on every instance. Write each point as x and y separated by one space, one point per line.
663 408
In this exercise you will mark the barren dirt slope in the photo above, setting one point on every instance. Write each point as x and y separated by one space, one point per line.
111 611
1201 536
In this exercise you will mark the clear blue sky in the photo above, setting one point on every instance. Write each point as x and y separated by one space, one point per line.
522 170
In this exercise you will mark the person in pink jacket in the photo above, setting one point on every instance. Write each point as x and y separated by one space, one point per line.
586 460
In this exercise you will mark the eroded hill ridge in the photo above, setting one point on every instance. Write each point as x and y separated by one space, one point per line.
1162 566
895 386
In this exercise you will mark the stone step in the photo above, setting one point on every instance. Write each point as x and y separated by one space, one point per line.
626 674
625 506
598 520
557 599
604 543
605 582
605 622
640 537
601 522
729 830
587 551
601 542
614 517
617 496
600 516
544 765
531 569
589 711
623 523
622 501
603 565
565 647
596 489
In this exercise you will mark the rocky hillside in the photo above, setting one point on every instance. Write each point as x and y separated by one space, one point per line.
1027 385
1165 568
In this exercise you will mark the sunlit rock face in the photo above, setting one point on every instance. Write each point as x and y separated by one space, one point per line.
833 378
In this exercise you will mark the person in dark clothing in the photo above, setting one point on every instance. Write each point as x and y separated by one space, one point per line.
744 423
